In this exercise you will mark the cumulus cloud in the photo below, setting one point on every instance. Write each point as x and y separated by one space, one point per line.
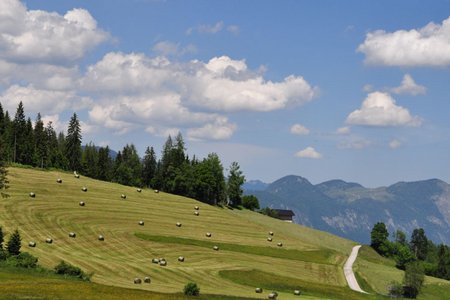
426 46
343 130
380 109
394 144
219 130
409 86
46 37
299 129
308 152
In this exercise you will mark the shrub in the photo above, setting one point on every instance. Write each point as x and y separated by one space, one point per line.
395 289
26 260
250 202
191 289
64 268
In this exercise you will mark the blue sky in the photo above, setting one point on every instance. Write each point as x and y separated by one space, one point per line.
356 90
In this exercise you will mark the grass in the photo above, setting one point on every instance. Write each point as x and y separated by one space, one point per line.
307 256
317 256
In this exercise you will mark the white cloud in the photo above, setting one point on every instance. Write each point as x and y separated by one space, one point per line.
233 29
427 46
380 109
343 130
308 152
207 28
394 144
167 48
299 129
219 130
42 100
354 143
47 37
409 86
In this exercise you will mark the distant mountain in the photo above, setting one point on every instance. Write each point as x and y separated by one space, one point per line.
350 210
255 185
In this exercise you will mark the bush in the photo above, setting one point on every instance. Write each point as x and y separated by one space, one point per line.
250 202
191 289
2 254
64 268
26 260
395 289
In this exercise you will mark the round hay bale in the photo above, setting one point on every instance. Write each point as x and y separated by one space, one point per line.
82 203
123 196
156 191
155 261
269 239
101 238
181 259
178 224
273 295
196 213
59 180
196 208
139 190
32 244
147 280
208 234
280 244
270 232
297 292
137 281
216 248
258 290
72 234
77 176
162 258
163 263
84 189
48 240
32 195
141 223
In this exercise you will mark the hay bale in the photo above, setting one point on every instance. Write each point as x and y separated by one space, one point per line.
48 240
216 248
196 213
32 195
258 290
32 244
72 234
123 196
101 238
137 281
271 233
84 189
280 244
59 180
196 208
139 190
208 234
162 258
147 280
163 263
178 224
269 239
181 258
273 295
82 203
155 261
77 176
156 191
297 292
141 223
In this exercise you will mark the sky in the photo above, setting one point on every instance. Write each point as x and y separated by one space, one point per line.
352 90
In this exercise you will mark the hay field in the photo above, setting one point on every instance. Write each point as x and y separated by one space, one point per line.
307 258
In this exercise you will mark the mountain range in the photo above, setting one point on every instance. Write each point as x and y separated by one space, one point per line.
350 210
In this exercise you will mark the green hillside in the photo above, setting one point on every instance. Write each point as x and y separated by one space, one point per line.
309 260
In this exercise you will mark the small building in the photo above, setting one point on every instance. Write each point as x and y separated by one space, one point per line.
284 214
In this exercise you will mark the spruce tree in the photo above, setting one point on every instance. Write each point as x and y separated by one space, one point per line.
19 134
3 173
234 184
149 166
14 243
41 146
104 164
73 144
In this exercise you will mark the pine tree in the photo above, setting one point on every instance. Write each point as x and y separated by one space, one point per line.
14 243
73 144
419 243
3 173
149 166
28 144
234 184
104 164
441 271
41 146
19 134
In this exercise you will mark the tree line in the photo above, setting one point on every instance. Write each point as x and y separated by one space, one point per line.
39 145
417 257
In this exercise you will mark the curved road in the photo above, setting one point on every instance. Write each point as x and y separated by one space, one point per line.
348 271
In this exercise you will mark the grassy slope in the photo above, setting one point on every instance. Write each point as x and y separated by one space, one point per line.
314 257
